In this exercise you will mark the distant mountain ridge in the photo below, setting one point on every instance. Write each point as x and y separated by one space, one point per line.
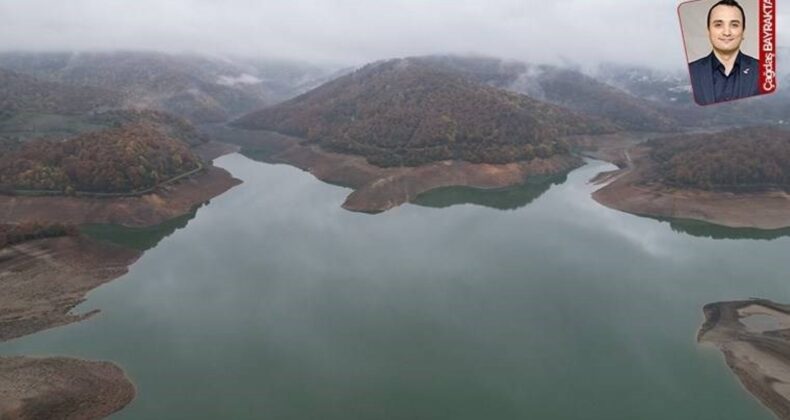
670 91
409 112
23 93
561 86
203 89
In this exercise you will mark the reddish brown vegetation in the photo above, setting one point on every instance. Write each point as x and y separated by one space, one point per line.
124 159
171 125
22 93
588 96
404 112
742 159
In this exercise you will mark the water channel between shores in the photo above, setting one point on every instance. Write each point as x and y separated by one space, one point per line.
274 302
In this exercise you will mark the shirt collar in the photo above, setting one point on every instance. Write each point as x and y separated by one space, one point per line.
717 65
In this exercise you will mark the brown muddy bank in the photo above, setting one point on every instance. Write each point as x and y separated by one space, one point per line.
754 337
42 281
378 189
61 388
633 189
150 209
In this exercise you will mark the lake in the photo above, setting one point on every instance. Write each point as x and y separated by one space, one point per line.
272 302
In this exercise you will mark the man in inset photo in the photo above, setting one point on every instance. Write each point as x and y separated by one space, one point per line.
726 73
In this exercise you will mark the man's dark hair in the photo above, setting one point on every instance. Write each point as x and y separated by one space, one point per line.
731 3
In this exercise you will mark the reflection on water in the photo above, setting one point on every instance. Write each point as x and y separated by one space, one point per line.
702 229
249 140
501 198
143 238
276 303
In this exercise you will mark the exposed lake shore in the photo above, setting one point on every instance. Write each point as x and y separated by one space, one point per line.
634 189
377 189
61 388
754 337
150 209
42 281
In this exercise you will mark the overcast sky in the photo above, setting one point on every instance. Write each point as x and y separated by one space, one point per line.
357 31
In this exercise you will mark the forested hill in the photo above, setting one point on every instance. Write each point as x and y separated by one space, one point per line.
200 88
405 112
588 96
170 125
22 93
125 159
31 108
740 159
566 87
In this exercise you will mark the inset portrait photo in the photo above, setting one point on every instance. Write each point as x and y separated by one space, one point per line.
730 48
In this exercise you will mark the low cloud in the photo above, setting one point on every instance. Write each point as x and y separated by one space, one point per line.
644 32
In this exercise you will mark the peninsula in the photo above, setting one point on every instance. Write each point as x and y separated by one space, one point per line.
735 178
394 129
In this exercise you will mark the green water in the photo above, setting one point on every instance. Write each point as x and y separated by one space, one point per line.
142 239
500 198
272 302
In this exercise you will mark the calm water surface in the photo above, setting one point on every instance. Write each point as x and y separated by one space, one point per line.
272 302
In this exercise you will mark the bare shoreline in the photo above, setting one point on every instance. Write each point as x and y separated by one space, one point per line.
150 209
378 189
42 281
754 337
61 388
631 190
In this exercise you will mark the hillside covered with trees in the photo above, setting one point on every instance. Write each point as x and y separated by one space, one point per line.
169 124
120 160
406 112
567 87
203 89
22 93
737 159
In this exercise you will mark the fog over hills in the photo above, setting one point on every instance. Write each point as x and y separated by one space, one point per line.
354 32
201 88
24 93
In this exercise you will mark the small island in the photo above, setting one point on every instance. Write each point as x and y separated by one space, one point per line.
737 178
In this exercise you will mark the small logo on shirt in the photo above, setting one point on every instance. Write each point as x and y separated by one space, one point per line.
746 71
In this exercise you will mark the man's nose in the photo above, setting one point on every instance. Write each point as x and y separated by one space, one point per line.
727 30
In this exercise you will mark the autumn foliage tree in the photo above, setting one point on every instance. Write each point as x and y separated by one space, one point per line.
406 112
739 159
124 159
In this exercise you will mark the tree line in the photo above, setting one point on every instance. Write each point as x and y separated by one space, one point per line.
739 159
124 159
406 113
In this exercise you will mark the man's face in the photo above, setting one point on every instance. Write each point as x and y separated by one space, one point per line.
726 29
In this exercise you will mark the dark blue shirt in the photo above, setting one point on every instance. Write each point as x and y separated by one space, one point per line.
742 82
726 87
